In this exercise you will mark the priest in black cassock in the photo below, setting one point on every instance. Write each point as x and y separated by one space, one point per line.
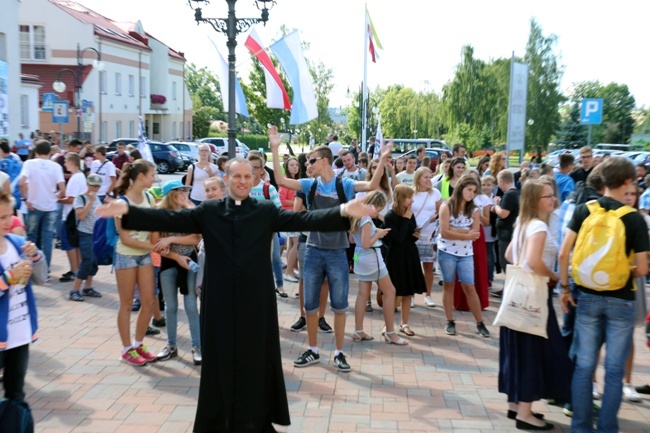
242 385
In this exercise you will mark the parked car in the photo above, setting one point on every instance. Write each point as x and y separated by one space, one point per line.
167 157
219 145
431 152
112 147
187 161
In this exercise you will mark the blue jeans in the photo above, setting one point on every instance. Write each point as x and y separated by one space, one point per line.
40 230
332 264
88 265
600 319
276 262
170 294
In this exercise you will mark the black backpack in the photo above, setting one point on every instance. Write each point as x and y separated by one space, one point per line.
339 191
15 416
71 224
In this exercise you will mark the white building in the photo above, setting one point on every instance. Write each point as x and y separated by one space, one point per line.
9 71
138 75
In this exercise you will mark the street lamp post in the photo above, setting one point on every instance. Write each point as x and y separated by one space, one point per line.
231 27
59 86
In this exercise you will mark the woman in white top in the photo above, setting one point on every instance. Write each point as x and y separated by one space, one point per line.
532 367
459 226
426 204
199 172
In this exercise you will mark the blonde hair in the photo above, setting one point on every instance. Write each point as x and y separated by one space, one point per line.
529 208
401 192
416 179
373 198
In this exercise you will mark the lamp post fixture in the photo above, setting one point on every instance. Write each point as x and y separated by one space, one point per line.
59 86
231 27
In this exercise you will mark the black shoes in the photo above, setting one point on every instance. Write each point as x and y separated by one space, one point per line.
341 363
512 414
323 326
152 331
159 323
281 294
300 324
136 305
68 276
523 425
307 358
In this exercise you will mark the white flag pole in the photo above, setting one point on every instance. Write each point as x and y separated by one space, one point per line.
364 101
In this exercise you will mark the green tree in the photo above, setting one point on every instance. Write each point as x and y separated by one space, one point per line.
544 95
202 118
205 86
571 134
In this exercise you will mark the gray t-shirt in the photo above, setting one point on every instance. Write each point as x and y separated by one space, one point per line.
87 224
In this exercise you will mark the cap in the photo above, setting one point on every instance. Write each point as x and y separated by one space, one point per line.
94 179
156 192
173 184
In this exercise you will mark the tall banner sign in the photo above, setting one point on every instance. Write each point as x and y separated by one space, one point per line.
4 100
517 106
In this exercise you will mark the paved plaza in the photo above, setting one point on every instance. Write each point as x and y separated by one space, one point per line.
438 383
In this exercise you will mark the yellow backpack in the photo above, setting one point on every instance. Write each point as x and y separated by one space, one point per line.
599 259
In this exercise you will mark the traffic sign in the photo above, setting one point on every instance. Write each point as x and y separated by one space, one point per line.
48 101
60 112
591 112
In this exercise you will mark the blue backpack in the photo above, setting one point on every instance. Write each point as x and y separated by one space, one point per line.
15 416
13 168
103 242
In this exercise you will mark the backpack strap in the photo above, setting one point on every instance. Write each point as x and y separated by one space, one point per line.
594 206
312 194
340 191
624 210
266 189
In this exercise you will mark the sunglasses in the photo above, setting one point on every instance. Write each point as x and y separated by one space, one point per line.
312 161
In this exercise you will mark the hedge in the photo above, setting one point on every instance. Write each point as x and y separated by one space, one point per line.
253 141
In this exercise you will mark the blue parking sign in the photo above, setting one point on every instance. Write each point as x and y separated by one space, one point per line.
591 112
60 112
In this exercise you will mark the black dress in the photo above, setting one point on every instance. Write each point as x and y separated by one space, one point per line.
242 385
533 367
402 258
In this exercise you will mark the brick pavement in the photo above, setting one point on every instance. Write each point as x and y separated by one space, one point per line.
437 383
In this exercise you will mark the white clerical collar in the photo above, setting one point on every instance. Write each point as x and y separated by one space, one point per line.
237 202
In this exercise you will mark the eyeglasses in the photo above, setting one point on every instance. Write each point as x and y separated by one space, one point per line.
548 196
256 167
502 159
313 160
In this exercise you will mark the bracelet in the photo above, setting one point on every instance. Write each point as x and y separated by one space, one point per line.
343 211
565 288
9 276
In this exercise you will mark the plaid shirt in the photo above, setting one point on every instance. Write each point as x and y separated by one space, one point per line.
564 213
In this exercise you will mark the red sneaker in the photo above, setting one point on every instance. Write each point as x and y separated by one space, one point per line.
144 353
133 357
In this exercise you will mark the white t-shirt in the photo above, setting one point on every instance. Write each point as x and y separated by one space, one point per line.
43 176
3 177
406 178
335 147
106 170
424 216
19 327
549 254
481 201
199 176
357 174
76 186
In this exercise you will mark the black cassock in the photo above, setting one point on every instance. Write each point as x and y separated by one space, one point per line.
242 384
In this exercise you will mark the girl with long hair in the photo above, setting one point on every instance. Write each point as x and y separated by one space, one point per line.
532 367
402 259
199 172
133 263
287 196
448 183
426 204
369 266
177 251
459 226
497 163
483 165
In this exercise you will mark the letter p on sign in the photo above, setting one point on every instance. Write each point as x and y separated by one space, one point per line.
591 112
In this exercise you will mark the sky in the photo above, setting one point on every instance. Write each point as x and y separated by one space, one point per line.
422 39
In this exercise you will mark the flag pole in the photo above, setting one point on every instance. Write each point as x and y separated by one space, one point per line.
364 102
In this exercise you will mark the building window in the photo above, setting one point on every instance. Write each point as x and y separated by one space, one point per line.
131 86
131 128
174 90
156 128
118 129
102 132
143 87
118 83
32 42
3 47
24 111
102 82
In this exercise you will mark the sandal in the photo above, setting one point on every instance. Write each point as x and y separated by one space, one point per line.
356 337
76 296
406 329
91 293
281 294
399 342
368 307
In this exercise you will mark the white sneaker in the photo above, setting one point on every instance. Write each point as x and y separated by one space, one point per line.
595 393
630 393
412 301
428 301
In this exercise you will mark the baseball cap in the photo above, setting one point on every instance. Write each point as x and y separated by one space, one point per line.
173 184
156 192
94 179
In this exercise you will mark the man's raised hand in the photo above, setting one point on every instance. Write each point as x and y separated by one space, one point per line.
274 138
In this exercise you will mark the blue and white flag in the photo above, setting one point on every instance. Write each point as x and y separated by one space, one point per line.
222 76
379 140
288 51
143 147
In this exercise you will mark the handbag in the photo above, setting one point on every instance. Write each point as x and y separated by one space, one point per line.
524 306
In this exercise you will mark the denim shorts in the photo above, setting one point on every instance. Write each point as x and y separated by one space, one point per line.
450 265
126 261
333 265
